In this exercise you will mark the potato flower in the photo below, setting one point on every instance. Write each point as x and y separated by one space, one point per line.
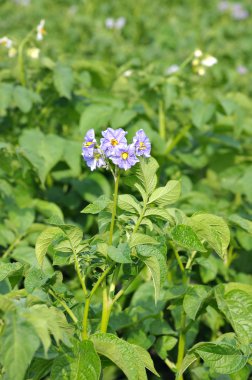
115 148
41 30
6 42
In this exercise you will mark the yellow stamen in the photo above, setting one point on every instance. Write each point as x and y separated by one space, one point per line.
142 146
88 143
97 156
125 155
114 142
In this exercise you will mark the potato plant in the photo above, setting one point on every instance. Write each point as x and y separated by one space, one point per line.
128 254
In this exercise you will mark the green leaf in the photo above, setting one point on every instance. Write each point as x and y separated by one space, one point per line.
120 254
44 240
18 344
9 269
185 237
97 206
79 363
6 304
47 209
164 196
95 117
159 213
156 262
164 344
129 203
213 229
130 360
122 118
35 278
202 113
245 224
189 359
63 80
43 155
236 305
146 173
137 239
22 98
6 90
145 359
47 321
222 358
195 297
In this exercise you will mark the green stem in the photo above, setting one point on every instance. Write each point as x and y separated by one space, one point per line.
21 57
190 260
181 344
81 279
117 176
161 114
106 310
140 217
63 303
174 142
178 258
12 246
88 300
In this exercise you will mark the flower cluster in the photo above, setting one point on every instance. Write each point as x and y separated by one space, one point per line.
202 61
116 24
237 11
114 146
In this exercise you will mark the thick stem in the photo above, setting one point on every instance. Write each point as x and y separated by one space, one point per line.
85 319
106 309
21 58
88 300
181 344
111 231
161 114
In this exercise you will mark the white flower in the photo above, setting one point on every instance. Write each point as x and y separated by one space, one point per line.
33 53
127 73
41 30
120 23
172 69
109 23
117 24
198 53
5 41
209 61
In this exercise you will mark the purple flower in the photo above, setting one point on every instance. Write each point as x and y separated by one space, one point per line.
238 12
242 70
142 144
125 157
223 6
94 159
89 143
113 139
